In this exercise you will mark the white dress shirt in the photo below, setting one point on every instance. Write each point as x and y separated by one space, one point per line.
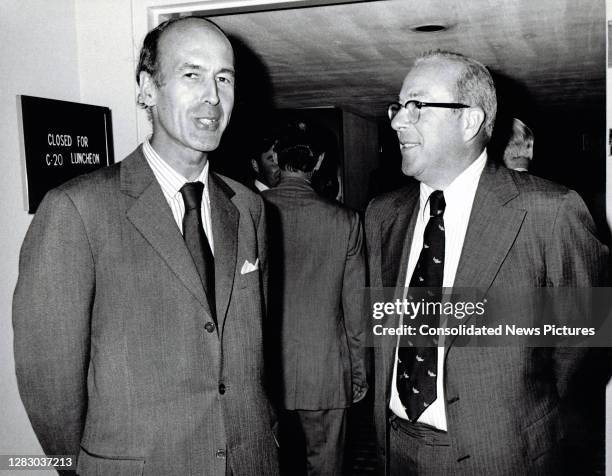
262 187
171 183
459 197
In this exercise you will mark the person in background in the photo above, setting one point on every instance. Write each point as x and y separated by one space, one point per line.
317 275
264 164
518 153
326 175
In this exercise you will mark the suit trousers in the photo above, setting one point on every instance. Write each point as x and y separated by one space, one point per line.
312 442
417 449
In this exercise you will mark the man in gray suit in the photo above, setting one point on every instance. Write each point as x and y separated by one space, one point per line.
138 308
317 274
475 410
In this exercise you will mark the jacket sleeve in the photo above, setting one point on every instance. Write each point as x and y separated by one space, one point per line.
51 318
575 259
353 301
262 252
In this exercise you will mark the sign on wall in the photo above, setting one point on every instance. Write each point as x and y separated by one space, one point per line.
60 141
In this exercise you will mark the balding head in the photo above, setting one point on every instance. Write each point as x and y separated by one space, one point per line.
149 60
186 78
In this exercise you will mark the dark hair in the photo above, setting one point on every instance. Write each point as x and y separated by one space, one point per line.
148 60
298 157
317 138
261 146
149 53
298 148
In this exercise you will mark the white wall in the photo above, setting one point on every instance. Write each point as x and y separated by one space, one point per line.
609 215
75 50
106 65
38 57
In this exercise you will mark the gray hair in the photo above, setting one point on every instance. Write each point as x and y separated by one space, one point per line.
520 143
475 85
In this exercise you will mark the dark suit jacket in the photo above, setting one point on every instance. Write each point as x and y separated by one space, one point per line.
502 404
116 360
317 277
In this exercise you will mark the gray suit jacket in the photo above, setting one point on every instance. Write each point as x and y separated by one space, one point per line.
116 360
317 277
502 404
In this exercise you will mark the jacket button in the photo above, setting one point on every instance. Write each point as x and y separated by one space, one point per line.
209 326
220 454
221 389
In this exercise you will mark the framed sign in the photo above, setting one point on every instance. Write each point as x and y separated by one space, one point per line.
61 140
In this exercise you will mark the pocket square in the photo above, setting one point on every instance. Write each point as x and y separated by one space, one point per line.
249 267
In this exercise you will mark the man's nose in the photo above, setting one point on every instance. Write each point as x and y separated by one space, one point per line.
210 92
400 121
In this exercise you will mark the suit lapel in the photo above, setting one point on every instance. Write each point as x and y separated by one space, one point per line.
491 231
396 237
492 228
152 216
225 219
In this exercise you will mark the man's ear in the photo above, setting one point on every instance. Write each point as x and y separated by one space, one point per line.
148 89
473 122
255 166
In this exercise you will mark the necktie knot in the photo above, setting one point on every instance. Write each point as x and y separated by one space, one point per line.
437 204
192 195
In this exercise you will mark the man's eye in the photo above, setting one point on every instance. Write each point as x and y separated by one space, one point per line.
225 79
191 75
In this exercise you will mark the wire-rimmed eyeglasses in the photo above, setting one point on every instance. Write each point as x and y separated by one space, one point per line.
414 107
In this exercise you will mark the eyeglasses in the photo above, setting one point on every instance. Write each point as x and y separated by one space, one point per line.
414 108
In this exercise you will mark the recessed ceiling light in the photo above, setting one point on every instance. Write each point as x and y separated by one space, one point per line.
429 28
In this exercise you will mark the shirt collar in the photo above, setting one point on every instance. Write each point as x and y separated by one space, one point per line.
169 179
261 186
461 189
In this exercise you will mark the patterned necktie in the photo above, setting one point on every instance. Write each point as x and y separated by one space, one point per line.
417 367
195 239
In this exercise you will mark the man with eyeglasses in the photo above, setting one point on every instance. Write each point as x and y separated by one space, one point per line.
441 408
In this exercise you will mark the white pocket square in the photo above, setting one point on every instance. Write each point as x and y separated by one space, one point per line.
249 267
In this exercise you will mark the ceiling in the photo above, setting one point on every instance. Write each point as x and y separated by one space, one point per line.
549 54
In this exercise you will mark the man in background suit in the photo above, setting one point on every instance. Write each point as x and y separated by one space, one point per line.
317 274
518 153
475 410
138 308
264 163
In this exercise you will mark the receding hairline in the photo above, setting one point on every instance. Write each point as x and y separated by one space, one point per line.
182 27
442 61
456 67
450 57
190 22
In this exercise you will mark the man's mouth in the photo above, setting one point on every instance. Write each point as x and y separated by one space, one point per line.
408 145
207 123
